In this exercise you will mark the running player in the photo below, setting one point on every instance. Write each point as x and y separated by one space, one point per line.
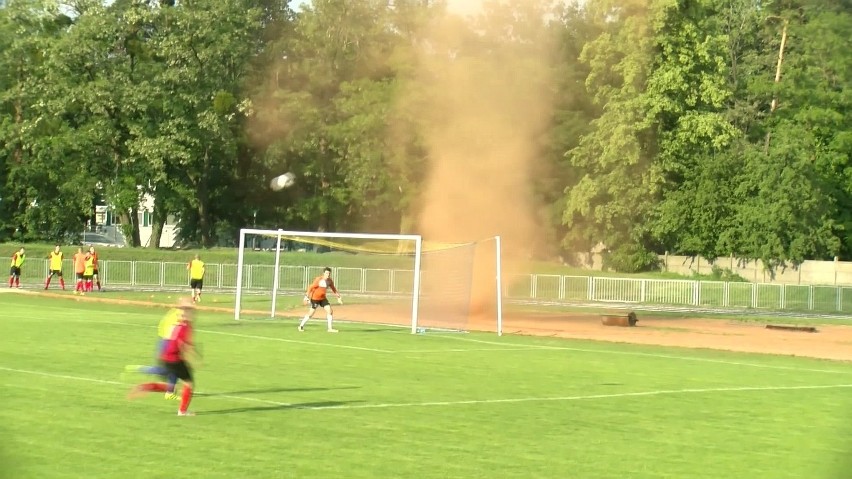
178 349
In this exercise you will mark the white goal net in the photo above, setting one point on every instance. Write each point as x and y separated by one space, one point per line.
387 279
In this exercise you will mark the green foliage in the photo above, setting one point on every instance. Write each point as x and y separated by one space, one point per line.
674 127
630 258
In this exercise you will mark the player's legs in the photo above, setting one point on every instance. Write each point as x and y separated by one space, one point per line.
182 371
198 286
47 280
61 280
87 280
79 288
97 278
312 309
329 317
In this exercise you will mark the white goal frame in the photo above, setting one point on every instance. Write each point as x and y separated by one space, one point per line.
418 252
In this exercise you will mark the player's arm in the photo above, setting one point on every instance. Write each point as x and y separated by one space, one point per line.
334 289
309 293
186 346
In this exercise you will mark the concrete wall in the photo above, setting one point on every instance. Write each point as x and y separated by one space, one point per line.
809 272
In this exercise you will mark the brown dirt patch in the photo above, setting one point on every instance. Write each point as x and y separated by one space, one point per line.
830 342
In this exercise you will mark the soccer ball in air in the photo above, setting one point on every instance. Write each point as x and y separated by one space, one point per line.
283 181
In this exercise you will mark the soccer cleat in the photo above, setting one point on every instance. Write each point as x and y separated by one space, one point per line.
301 328
186 413
171 395
332 330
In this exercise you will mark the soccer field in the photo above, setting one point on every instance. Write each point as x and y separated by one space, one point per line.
375 401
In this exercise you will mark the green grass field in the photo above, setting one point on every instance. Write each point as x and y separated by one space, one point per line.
375 401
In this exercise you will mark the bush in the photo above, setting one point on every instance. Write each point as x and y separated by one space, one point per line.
631 259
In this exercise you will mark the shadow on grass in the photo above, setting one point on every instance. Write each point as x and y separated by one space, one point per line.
376 329
276 390
279 407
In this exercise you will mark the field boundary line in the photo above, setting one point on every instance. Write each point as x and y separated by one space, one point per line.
506 346
223 333
659 392
660 356
205 394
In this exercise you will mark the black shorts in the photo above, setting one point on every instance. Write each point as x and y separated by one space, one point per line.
15 271
95 272
87 277
320 304
55 272
179 369
196 283
79 276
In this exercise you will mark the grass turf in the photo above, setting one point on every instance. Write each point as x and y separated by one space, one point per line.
374 401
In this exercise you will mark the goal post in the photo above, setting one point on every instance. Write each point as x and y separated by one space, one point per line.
391 278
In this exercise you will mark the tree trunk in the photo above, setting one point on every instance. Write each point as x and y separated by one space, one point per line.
17 153
130 226
158 219
157 223
774 103
204 203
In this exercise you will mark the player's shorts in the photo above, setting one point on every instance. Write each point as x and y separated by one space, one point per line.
179 369
15 271
319 304
196 283
95 272
87 277
80 276
55 272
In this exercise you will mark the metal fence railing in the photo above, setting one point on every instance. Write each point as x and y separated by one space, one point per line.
536 287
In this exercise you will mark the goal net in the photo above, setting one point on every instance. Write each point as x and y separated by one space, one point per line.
386 279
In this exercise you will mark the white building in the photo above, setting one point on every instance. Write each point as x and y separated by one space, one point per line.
107 225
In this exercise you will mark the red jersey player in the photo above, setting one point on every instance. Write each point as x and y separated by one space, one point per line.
174 359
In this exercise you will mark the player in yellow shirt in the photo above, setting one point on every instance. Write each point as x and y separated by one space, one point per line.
164 332
15 271
88 272
196 277
55 268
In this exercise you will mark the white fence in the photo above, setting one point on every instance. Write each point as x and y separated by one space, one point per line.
536 287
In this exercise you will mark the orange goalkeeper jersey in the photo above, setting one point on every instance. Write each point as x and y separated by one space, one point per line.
317 290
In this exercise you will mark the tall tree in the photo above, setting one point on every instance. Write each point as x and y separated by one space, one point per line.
618 180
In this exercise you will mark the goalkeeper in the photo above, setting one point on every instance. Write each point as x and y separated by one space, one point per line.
316 297
164 331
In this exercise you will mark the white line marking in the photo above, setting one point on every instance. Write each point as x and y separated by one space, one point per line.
268 338
223 333
662 392
118 383
511 346
62 376
579 398
660 356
